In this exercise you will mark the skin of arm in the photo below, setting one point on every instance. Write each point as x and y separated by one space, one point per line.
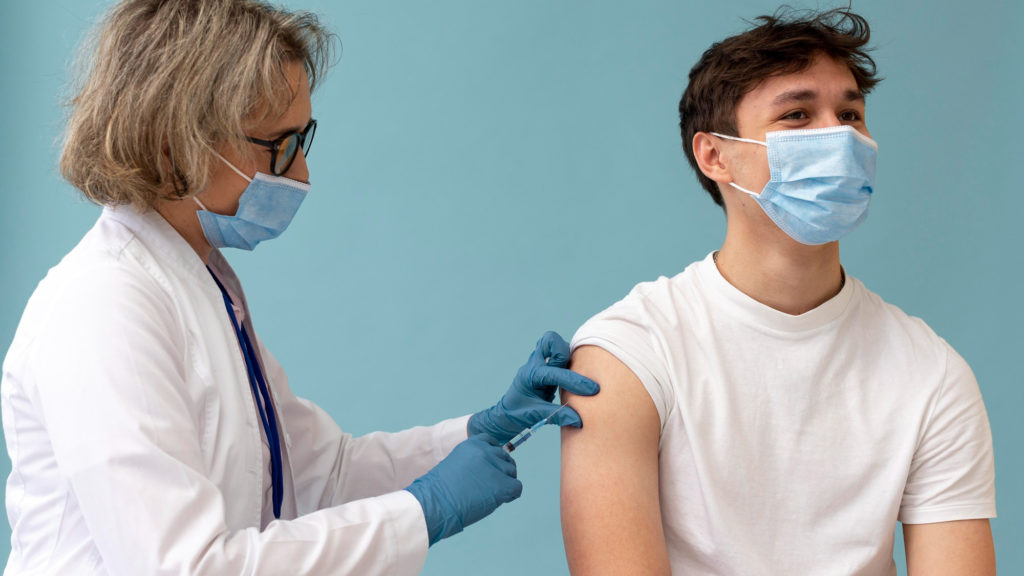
611 510
963 548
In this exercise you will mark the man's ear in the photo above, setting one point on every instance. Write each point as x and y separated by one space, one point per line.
707 150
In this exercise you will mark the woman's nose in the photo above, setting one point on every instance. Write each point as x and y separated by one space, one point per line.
299 170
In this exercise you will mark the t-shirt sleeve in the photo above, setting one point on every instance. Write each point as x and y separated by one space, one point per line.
628 331
952 475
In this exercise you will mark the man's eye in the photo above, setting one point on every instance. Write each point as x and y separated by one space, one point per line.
795 115
850 116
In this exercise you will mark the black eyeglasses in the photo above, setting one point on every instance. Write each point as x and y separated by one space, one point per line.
284 149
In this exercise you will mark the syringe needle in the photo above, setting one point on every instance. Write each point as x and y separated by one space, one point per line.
527 432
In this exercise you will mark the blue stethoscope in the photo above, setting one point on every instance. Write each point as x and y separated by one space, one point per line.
261 395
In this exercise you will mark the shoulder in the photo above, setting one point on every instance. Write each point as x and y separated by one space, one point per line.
645 315
911 353
890 323
650 316
108 268
107 279
632 340
655 304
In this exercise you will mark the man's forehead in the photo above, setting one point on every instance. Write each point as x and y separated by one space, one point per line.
797 95
825 78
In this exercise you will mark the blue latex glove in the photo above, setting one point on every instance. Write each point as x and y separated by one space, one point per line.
528 400
467 485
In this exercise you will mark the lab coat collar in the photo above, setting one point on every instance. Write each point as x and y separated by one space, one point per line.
166 244
160 237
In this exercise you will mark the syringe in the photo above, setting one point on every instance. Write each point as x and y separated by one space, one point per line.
526 433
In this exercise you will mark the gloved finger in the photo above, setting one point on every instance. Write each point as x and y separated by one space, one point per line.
567 417
493 452
506 465
489 439
533 412
486 439
553 349
509 491
498 459
550 377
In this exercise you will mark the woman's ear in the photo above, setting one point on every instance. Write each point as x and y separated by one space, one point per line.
178 187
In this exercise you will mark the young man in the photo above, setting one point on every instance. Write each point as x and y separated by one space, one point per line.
762 412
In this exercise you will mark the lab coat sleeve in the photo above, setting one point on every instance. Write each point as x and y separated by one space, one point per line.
330 467
107 372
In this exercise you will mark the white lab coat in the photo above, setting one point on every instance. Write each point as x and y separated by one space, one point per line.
137 449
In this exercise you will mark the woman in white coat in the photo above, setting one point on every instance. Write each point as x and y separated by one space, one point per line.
150 431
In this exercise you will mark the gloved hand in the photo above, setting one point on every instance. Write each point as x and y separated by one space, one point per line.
528 400
467 485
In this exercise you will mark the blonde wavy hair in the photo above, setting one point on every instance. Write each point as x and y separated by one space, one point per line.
162 83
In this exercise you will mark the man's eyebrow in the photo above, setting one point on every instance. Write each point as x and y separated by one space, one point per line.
791 96
807 95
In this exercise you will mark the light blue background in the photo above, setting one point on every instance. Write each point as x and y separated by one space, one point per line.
487 170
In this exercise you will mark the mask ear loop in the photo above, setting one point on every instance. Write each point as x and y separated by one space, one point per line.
738 187
738 139
232 166
748 141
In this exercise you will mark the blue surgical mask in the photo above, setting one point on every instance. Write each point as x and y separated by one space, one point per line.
265 209
820 182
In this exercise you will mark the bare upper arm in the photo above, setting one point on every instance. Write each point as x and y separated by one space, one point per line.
963 547
611 514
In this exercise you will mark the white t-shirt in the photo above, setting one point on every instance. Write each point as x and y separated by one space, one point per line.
793 444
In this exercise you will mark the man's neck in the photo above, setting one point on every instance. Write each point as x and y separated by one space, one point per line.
786 276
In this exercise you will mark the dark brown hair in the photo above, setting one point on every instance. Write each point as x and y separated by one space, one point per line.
783 43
